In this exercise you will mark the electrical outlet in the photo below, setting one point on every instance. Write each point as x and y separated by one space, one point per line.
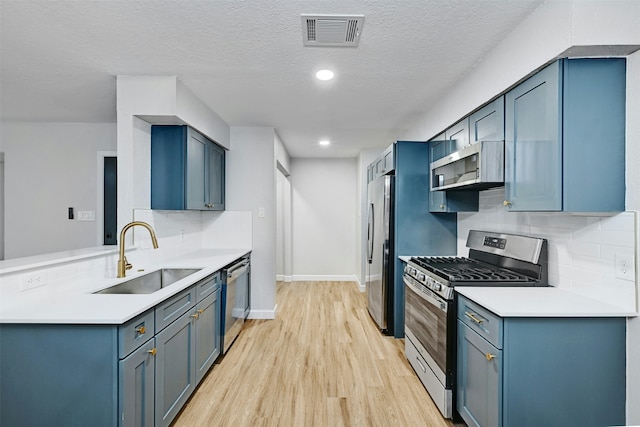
625 268
32 280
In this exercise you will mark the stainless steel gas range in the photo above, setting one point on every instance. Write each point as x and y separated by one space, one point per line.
495 259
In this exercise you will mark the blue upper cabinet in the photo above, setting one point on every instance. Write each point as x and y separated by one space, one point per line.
565 138
487 124
457 136
187 170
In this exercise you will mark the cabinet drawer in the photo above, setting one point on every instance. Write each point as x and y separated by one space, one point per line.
207 286
174 307
135 332
481 320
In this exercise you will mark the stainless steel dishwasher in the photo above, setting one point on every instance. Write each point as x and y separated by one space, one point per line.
236 280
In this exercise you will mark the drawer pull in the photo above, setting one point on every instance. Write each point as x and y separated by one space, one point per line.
472 317
195 316
153 351
200 311
490 356
141 330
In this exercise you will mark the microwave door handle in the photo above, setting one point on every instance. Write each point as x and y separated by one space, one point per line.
370 234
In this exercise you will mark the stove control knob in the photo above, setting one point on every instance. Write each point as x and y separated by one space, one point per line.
436 286
421 277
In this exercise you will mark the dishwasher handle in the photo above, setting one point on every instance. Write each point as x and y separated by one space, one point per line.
237 269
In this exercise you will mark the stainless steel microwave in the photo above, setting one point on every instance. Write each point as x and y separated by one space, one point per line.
477 166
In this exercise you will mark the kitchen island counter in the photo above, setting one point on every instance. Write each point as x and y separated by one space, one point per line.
72 300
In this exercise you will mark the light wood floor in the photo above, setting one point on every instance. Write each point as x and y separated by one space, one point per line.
321 362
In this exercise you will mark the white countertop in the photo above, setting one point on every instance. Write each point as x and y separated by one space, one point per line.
540 302
74 302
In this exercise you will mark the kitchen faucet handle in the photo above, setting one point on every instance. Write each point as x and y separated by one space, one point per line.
127 266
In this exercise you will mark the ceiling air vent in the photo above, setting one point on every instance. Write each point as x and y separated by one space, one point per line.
332 30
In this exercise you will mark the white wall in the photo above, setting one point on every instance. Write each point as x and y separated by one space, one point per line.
251 186
554 28
155 99
324 218
283 228
633 203
283 211
50 167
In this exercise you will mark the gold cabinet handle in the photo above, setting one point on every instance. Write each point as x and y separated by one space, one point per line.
153 351
490 356
141 330
441 206
195 316
472 317
506 203
200 311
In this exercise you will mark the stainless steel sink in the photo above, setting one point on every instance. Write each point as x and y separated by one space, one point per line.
151 282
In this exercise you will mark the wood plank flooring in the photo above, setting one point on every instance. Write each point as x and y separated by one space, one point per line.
321 362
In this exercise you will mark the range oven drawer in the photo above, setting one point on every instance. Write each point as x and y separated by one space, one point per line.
487 324
441 396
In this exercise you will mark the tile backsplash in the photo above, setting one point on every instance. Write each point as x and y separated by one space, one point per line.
582 248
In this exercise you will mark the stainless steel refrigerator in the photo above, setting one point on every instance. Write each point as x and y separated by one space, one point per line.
400 224
380 250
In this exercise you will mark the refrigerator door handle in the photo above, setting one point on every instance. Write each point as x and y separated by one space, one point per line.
370 234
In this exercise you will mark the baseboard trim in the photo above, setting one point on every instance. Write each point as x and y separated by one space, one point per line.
361 286
283 278
324 278
263 314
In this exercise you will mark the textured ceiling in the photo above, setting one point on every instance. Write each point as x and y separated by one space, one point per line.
245 59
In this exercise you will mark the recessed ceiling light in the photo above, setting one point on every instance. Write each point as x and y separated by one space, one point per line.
324 75
324 142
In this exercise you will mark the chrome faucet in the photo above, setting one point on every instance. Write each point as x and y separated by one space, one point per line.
123 264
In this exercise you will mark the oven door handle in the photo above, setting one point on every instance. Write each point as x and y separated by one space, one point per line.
430 297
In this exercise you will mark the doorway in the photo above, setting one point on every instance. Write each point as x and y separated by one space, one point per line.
283 225
110 200
106 198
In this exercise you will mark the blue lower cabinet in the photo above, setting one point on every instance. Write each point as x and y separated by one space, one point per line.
140 373
175 367
58 375
137 385
207 332
539 371
481 374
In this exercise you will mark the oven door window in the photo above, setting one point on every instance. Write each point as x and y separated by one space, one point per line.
426 317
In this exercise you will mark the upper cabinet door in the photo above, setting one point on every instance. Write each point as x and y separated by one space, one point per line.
487 124
533 144
196 170
216 174
458 135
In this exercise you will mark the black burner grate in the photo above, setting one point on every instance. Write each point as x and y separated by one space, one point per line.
456 269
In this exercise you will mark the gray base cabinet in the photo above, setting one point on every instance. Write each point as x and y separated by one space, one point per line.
519 371
139 373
